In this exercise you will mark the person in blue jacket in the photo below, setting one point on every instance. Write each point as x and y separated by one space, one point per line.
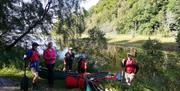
33 58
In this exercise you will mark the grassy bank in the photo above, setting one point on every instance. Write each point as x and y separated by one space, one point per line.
158 71
128 40
16 75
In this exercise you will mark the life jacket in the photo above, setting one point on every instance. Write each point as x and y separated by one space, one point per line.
82 66
34 56
130 66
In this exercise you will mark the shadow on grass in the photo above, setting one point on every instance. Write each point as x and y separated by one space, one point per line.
126 43
168 46
14 85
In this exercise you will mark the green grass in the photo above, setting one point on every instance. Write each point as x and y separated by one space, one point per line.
127 40
137 37
15 75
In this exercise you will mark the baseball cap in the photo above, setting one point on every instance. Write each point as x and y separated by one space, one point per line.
35 44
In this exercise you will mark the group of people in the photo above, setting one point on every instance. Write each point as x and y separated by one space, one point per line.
49 56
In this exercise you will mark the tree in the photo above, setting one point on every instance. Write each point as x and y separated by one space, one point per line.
97 38
177 11
22 18
71 26
137 16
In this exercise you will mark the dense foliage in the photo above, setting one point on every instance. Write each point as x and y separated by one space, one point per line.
142 16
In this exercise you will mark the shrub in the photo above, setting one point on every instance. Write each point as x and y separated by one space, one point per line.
178 39
152 46
98 38
12 57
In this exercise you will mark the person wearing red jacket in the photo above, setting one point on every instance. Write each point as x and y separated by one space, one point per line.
130 68
82 65
33 59
49 56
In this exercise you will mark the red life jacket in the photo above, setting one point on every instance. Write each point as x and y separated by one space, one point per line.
82 64
130 66
34 56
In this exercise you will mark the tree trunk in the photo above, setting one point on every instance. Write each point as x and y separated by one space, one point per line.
24 34
30 28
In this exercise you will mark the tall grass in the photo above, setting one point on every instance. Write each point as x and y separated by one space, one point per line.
159 72
12 57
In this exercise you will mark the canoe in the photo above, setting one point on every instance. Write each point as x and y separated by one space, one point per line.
97 75
58 75
90 86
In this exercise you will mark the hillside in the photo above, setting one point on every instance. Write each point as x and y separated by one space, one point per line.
140 16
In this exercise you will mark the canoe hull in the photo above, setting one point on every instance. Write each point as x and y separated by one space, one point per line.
43 73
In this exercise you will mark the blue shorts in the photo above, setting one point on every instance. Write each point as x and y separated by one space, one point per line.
34 65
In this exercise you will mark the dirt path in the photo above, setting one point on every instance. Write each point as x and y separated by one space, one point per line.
6 84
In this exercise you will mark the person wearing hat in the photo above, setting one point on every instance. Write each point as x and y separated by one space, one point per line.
49 56
33 58
68 59
130 68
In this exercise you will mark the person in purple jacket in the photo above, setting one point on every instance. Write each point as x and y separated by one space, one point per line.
49 56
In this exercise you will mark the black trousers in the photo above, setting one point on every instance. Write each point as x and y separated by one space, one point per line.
69 65
50 68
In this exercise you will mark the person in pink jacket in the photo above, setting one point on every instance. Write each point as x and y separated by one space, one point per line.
130 65
49 56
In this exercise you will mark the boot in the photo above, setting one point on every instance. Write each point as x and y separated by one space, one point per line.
51 86
35 86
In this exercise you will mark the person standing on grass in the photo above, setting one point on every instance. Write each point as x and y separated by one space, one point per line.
68 59
33 58
130 68
49 56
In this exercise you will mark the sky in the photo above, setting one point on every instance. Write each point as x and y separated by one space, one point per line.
86 4
89 3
